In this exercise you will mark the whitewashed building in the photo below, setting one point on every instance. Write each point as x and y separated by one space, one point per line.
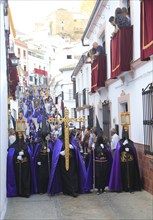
129 62
67 89
3 105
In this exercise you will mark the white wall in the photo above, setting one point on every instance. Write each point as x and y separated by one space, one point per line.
68 85
23 61
3 117
135 19
133 86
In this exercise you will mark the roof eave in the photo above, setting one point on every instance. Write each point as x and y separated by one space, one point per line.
100 4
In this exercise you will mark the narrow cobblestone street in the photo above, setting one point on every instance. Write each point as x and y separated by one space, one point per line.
115 206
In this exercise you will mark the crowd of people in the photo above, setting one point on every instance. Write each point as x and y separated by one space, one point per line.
36 158
120 19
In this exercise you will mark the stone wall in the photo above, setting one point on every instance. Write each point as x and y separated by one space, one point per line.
146 168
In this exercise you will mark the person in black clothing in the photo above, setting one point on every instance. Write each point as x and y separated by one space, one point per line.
42 158
42 163
129 166
19 181
69 177
103 162
125 174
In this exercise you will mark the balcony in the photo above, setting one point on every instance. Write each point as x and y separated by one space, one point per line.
146 33
121 51
98 73
40 72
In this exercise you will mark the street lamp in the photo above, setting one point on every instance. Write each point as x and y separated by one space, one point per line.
14 60
125 122
13 80
125 118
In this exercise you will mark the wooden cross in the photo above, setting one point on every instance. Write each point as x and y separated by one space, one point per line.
66 121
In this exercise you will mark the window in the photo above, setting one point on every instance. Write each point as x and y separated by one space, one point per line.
31 78
124 107
45 81
84 96
25 68
72 112
102 38
19 53
36 81
69 57
70 94
24 54
126 3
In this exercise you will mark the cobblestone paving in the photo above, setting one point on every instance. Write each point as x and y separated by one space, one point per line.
109 206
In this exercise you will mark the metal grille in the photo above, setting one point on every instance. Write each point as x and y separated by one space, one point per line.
84 96
90 117
147 100
77 101
106 118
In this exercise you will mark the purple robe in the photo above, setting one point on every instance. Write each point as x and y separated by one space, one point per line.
35 113
115 183
11 181
39 119
80 167
55 184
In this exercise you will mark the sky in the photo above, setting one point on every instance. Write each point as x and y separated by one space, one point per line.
26 12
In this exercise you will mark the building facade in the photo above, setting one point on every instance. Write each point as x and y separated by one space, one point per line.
118 88
3 102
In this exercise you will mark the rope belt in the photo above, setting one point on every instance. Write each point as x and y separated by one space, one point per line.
100 161
25 159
